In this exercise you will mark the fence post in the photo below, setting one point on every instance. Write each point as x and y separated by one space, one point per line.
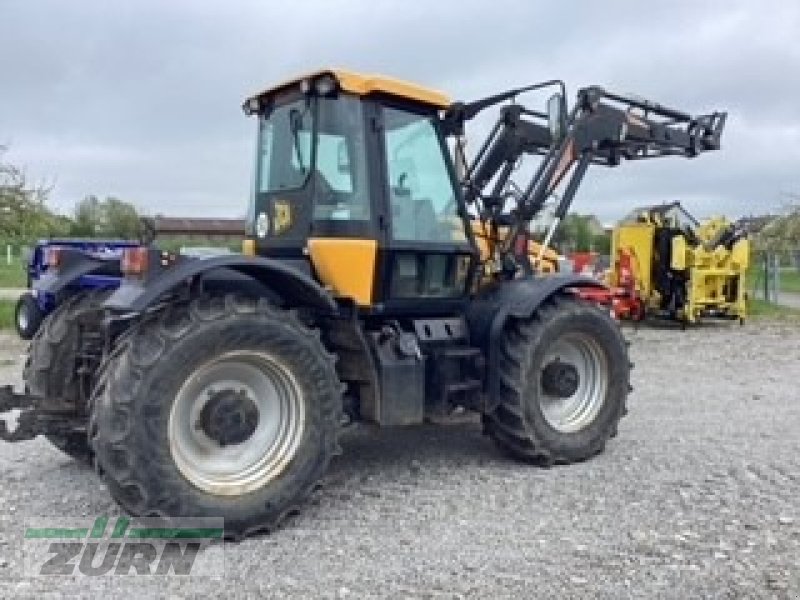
8 254
777 271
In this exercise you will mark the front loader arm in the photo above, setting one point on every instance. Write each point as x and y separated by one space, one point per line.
605 128
602 128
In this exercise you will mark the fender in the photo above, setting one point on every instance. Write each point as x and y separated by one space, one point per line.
136 295
74 265
489 312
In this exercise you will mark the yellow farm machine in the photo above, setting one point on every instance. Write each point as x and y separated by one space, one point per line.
667 264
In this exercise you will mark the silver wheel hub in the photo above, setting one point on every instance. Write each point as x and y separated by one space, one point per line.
236 422
573 382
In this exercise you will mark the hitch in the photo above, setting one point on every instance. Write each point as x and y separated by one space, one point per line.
32 420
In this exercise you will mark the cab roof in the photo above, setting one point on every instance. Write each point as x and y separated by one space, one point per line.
365 84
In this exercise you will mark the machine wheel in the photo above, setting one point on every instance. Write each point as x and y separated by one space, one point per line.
27 316
564 380
50 369
224 407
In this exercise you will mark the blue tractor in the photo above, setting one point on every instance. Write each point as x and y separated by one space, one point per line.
33 306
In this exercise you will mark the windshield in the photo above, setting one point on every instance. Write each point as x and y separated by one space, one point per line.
332 178
285 147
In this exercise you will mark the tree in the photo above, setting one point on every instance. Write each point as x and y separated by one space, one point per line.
782 234
23 213
601 243
564 236
86 219
574 234
583 235
122 219
105 218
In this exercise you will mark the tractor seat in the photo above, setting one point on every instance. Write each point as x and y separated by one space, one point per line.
413 219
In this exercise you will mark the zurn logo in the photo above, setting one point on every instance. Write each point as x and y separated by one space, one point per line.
125 546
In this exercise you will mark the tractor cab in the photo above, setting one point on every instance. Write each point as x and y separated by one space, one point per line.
354 185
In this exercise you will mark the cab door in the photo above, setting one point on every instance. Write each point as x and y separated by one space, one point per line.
343 240
426 256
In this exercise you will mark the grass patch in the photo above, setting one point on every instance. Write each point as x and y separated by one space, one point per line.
13 275
760 308
7 308
789 279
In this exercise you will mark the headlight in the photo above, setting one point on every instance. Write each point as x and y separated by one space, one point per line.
325 85
252 106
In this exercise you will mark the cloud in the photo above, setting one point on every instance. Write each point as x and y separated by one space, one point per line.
141 100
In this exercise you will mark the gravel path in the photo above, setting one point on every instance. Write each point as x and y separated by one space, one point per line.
697 497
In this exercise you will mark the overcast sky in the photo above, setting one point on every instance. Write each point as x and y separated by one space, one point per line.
141 100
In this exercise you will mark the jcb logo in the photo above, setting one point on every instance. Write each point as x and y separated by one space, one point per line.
181 547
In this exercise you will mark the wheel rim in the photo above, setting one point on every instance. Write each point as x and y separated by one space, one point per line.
239 467
22 319
570 412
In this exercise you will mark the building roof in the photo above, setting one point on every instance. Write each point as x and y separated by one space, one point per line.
754 225
198 226
363 84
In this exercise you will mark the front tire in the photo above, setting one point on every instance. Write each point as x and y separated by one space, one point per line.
564 379
28 316
226 407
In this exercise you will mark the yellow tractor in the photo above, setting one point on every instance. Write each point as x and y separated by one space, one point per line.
374 285
672 266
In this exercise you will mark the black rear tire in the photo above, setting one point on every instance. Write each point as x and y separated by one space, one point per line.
139 393
50 369
28 316
519 423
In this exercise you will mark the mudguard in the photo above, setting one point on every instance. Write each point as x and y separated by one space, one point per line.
490 310
136 295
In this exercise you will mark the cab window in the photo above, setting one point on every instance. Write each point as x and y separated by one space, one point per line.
312 163
340 169
420 185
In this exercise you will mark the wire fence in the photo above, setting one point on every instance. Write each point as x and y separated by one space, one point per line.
765 284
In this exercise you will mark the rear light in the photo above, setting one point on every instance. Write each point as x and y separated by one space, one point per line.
53 256
135 261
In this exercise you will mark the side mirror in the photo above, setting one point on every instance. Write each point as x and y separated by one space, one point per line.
556 117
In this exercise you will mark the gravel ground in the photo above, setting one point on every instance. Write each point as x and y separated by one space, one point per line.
697 497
